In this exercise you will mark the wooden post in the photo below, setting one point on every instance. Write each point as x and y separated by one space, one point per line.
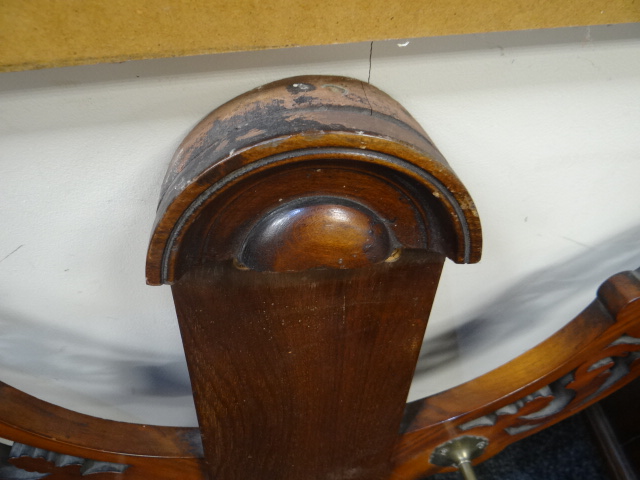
303 227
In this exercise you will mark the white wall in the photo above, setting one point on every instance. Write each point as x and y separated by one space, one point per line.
542 126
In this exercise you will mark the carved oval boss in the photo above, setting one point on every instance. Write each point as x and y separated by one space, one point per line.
309 172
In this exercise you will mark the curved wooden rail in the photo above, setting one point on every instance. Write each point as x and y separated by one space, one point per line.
592 356
150 451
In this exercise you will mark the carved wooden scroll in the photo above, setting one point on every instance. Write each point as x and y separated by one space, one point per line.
303 227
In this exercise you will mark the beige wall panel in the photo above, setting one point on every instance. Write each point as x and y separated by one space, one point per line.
40 33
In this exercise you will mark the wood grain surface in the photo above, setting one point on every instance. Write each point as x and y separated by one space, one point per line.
304 375
303 278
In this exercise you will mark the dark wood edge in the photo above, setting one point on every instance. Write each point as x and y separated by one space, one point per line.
175 452
609 444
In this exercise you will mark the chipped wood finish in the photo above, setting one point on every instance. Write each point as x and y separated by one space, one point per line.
303 227
297 140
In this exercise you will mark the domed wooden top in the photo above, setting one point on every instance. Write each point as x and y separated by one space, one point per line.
311 137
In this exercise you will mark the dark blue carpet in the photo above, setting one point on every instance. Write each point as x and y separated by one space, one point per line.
565 451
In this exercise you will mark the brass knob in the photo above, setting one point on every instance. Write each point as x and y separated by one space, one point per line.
459 452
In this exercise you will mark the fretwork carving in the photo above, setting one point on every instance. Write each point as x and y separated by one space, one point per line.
568 393
29 463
